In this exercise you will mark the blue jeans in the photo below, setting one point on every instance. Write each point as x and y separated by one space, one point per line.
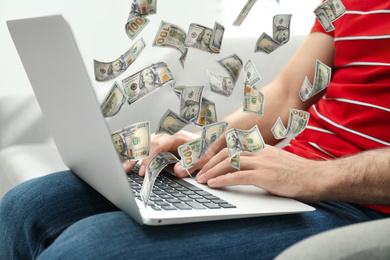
61 217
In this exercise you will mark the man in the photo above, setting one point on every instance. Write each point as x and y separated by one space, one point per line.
60 216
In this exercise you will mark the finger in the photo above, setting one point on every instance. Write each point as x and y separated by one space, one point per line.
179 171
165 143
128 165
218 165
214 149
235 178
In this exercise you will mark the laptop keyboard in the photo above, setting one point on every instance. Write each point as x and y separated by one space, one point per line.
172 193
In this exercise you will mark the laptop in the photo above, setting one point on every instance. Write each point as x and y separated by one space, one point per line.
63 88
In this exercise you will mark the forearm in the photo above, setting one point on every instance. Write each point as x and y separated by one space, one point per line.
362 178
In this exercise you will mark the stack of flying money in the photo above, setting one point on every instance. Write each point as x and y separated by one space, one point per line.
322 77
204 38
253 101
132 143
155 166
281 34
225 85
239 141
105 71
136 21
172 36
328 12
296 124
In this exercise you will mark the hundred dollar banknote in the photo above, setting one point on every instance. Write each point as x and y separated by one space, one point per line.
252 76
281 34
207 114
244 12
132 143
190 102
322 78
189 153
297 122
170 123
225 85
253 100
147 81
204 38
281 28
172 36
328 12
220 84
324 20
210 133
136 21
105 71
113 101
233 65
239 141
155 166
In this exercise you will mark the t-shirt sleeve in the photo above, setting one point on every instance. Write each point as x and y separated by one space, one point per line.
317 27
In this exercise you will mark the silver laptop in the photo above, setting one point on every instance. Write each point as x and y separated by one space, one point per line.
49 55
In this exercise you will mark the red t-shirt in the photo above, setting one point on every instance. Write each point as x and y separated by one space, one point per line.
354 114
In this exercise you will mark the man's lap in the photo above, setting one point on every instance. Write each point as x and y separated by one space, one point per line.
83 224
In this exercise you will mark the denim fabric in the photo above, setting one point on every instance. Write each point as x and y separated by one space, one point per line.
60 217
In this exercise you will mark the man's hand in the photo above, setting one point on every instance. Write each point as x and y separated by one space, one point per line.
273 169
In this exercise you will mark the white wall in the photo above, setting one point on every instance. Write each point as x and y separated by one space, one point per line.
98 26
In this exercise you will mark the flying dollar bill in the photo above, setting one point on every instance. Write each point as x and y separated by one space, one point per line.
170 123
244 12
253 100
172 36
113 101
239 141
322 77
281 34
281 28
225 85
132 143
155 166
136 21
134 26
204 38
190 103
189 153
297 122
328 12
252 76
220 84
207 114
147 81
105 71
210 133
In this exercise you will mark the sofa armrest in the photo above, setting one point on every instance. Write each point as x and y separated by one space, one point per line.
369 240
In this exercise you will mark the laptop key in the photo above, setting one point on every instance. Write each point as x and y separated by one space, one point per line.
227 206
219 201
195 205
169 207
182 206
212 205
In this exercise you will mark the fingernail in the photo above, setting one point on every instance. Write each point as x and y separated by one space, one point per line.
200 177
211 182
124 165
